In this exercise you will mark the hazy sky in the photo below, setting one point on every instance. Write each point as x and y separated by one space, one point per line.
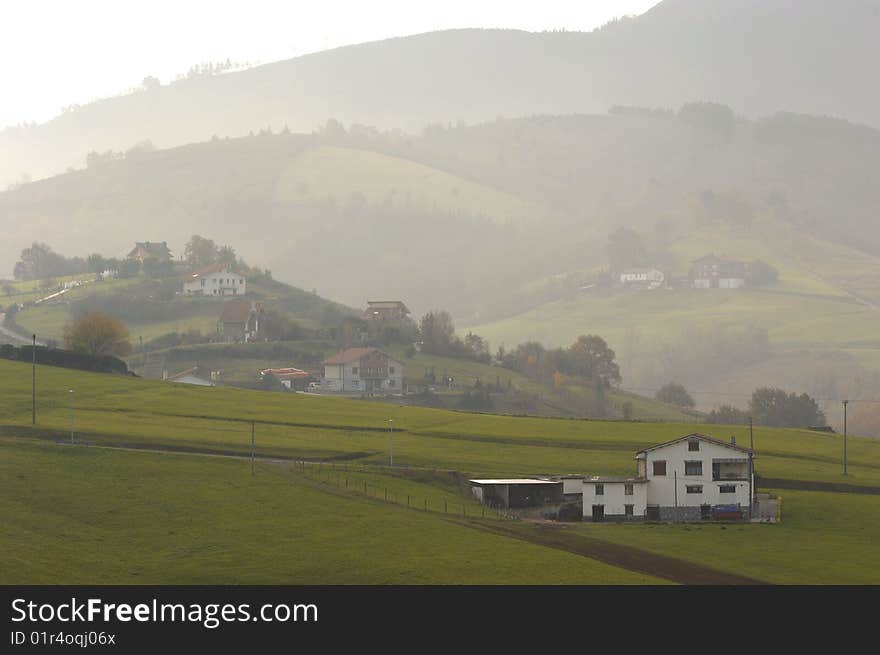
55 53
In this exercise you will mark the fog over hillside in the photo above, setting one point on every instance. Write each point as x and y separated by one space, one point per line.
760 56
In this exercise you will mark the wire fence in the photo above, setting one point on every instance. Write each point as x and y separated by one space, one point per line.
382 483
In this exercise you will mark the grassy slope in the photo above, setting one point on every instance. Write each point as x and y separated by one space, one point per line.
136 518
48 320
325 172
114 410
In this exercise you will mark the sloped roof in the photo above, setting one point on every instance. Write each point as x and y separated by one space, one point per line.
387 304
213 268
286 373
349 355
701 437
239 311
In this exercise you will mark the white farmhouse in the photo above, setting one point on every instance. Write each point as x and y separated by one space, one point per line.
217 280
364 370
691 478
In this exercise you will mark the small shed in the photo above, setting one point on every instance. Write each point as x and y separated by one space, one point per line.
516 493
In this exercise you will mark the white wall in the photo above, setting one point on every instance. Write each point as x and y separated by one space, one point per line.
661 489
217 284
614 498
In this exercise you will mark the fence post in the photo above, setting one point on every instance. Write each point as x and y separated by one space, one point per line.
426 504
445 506
386 494
365 486
407 500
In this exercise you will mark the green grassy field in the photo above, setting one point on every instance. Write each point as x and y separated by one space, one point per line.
90 516
122 516
824 538
119 411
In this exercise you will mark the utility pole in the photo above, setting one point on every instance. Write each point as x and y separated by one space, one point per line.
252 447
845 403
752 489
71 417
34 382
391 437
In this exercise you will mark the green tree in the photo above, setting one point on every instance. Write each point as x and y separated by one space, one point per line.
200 251
774 407
437 331
728 415
591 358
675 394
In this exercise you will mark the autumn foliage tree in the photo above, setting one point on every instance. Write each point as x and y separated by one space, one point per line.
94 333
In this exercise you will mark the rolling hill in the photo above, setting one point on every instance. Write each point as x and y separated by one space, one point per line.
801 56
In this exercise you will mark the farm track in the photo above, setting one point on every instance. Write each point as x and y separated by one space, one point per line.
625 557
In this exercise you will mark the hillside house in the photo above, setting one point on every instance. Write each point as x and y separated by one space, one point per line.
144 250
691 478
642 278
390 311
713 272
240 321
215 281
363 370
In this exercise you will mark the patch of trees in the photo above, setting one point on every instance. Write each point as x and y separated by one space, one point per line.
437 334
40 262
588 359
773 407
709 117
675 394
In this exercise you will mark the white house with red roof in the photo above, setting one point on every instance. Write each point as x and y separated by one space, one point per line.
363 370
216 281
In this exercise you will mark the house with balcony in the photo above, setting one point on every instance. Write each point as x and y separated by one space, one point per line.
692 478
365 370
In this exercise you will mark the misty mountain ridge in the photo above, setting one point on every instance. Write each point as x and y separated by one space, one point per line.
801 57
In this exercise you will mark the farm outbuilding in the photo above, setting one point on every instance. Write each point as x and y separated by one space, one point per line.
517 493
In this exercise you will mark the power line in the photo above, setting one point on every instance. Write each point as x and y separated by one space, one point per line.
733 394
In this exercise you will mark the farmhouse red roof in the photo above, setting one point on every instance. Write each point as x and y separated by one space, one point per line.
285 373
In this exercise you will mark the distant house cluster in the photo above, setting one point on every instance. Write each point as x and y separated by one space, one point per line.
709 272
